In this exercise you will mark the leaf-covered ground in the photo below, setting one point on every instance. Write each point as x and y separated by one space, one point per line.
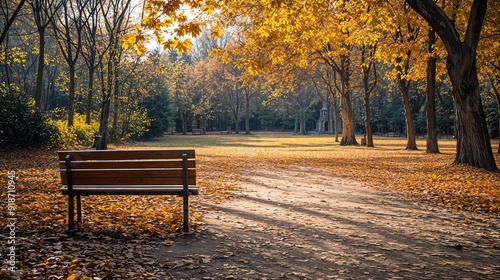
119 230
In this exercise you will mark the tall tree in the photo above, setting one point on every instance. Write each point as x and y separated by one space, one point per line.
368 63
43 13
367 67
251 87
400 49
343 70
403 67
473 142
430 104
181 97
116 15
68 28
93 49
232 94
203 86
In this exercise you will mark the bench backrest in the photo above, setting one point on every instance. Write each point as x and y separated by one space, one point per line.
127 167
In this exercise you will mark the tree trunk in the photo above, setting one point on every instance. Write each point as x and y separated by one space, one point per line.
184 128
368 121
411 143
302 118
432 131
107 89
184 117
6 58
304 122
236 114
184 125
335 119
404 87
347 115
346 111
297 124
115 90
368 53
90 92
473 141
49 92
114 126
101 143
366 103
71 100
247 112
41 65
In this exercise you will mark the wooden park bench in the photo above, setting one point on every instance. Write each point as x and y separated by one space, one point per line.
197 130
127 172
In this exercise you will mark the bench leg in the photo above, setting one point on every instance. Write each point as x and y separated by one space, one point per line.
79 208
71 211
185 194
185 218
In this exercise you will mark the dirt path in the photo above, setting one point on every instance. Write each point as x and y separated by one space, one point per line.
296 224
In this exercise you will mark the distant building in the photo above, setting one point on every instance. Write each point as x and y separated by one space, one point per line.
323 124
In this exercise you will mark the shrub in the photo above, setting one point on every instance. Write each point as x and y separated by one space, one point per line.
21 123
78 135
138 124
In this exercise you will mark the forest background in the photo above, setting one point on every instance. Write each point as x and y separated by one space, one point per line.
123 69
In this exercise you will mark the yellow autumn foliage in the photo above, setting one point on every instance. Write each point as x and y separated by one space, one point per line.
80 134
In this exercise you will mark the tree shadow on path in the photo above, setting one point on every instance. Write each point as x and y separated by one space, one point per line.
300 224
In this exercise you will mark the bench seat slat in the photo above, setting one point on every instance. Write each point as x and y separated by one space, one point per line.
130 190
128 173
128 177
127 164
129 181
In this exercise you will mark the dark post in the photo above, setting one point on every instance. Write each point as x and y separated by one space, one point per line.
185 193
79 208
100 142
71 195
